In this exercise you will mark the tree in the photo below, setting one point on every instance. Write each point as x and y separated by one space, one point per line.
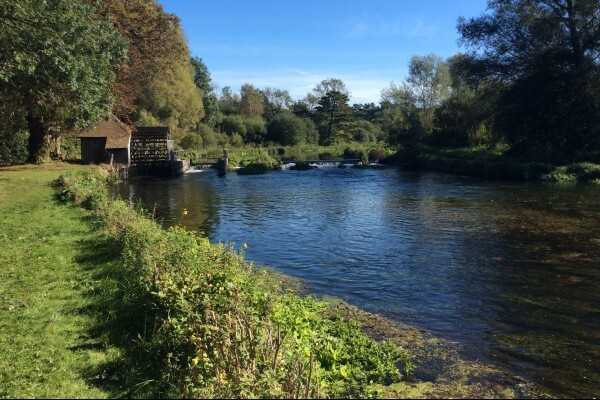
251 101
466 118
430 83
57 66
367 111
172 100
203 81
229 102
275 101
256 130
289 130
234 125
155 41
399 117
544 56
330 85
335 115
305 108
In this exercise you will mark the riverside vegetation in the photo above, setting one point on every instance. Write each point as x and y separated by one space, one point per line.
209 324
103 303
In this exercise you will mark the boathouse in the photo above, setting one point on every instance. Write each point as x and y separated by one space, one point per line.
108 142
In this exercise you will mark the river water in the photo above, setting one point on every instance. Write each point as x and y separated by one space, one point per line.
509 270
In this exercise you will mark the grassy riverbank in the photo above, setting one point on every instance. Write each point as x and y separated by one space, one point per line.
494 164
104 303
46 272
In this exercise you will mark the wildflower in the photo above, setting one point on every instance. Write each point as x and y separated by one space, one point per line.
245 245
185 211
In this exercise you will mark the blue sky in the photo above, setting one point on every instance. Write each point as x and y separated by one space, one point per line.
294 45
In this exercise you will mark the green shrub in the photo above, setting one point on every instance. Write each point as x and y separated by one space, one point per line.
259 164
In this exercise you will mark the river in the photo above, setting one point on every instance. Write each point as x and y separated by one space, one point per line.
510 270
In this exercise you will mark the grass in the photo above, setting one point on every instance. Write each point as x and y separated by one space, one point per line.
46 340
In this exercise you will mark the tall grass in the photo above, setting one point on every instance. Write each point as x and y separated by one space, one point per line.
210 324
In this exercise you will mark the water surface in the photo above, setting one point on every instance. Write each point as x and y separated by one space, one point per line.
509 270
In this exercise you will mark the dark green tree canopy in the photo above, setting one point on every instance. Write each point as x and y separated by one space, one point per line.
544 57
56 66
335 114
203 81
288 130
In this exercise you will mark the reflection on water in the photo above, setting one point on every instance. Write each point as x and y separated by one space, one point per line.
510 270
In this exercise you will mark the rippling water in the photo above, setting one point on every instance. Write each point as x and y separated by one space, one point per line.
509 270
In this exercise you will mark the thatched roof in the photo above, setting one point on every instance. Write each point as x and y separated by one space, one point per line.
117 134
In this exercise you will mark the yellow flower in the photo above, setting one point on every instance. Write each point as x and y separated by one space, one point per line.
245 245
185 211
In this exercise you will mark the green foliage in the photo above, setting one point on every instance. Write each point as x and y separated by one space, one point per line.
58 62
250 104
191 141
234 124
378 153
366 132
219 327
580 172
543 56
257 165
289 130
256 130
173 100
334 116
360 154
13 147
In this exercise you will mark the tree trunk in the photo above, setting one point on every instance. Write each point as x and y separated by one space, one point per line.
37 139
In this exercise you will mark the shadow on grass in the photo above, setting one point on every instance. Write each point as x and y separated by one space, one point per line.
119 328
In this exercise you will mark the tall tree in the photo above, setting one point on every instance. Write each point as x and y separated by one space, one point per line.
330 85
172 100
544 56
275 101
229 101
399 117
251 101
203 81
155 41
57 65
335 114
430 82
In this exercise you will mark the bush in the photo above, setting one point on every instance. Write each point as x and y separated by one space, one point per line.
289 130
257 165
360 154
377 154
212 325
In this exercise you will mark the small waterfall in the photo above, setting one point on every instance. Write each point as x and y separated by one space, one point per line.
200 168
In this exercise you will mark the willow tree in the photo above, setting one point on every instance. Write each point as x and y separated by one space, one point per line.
57 64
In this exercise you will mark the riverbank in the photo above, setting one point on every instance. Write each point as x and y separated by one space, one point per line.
171 351
485 163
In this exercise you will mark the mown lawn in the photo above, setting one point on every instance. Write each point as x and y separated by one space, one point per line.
47 344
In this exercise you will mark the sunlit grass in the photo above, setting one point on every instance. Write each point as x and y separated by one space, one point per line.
45 341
